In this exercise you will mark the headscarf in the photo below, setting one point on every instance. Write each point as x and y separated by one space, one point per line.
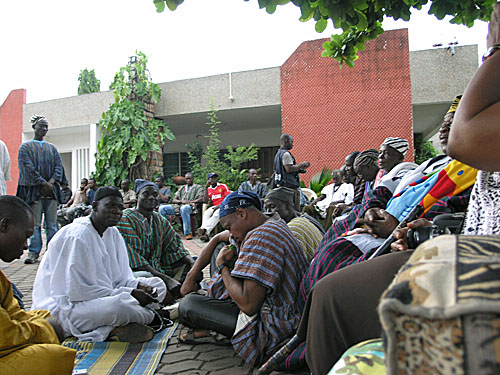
399 144
454 105
106 191
366 157
282 194
236 200
140 184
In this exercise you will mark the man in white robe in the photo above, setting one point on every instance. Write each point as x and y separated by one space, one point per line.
85 280
4 167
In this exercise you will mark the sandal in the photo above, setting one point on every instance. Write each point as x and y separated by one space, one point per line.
211 338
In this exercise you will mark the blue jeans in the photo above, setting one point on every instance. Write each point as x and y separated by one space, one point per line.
48 207
186 210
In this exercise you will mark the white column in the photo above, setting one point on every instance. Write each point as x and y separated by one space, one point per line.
75 182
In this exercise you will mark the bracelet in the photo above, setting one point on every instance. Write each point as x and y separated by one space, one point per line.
491 51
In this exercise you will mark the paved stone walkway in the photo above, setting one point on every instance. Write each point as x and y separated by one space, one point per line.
179 359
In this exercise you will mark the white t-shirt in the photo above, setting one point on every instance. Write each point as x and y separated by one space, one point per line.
343 192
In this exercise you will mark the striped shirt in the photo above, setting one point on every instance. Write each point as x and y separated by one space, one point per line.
38 162
189 193
308 235
272 257
152 242
259 188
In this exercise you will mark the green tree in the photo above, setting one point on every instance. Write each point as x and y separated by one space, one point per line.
361 20
88 82
204 161
424 150
129 131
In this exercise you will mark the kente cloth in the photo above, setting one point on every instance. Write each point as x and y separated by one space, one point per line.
271 256
340 252
188 193
113 358
450 181
4 167
218 193
333 193
259 188
359 188
85 281
441 313
482 216
308 235
38 162
367 357
151 241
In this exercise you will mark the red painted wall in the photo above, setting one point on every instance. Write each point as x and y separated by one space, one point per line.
332 111
11 128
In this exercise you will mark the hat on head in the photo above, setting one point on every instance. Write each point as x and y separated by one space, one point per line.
237 200
212 174
35 118
140 184
366 157
454 105
107 191
399 144
282 194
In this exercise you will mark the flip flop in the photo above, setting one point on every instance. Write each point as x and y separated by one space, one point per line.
211 338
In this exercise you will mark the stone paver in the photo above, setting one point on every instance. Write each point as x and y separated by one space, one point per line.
179 359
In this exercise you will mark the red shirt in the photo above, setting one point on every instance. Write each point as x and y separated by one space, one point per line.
218 193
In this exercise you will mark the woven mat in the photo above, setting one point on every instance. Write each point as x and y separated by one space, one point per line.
120 358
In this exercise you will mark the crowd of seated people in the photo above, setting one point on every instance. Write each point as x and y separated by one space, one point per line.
276 273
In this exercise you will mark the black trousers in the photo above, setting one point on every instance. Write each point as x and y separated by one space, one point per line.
198 311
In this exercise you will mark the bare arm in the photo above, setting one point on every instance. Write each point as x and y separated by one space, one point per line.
190 285
319 199
297 167
475 134
247 294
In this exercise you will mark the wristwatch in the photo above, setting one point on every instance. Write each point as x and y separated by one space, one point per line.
221 266
491 51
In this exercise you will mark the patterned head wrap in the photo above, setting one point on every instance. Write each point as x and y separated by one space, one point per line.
399 144
140 184
239 200
454 105
106 191
35 118
366 157
282 194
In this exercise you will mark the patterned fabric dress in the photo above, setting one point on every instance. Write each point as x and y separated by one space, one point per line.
150 242
271 256
482 215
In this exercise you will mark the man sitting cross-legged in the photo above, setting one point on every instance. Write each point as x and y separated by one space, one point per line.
152 244
29 340
86 282
254 303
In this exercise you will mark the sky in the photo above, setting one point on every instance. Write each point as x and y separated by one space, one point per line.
45 44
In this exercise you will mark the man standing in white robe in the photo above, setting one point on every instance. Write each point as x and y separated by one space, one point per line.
85 280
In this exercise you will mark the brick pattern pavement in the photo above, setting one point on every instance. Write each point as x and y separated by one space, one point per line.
179 359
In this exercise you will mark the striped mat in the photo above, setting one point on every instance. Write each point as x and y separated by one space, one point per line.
120 358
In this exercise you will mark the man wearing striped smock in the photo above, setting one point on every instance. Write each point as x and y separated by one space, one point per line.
252 297
305 228
153 246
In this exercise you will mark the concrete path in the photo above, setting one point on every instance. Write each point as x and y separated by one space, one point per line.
179 359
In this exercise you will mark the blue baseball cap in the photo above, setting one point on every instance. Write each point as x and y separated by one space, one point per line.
212 174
